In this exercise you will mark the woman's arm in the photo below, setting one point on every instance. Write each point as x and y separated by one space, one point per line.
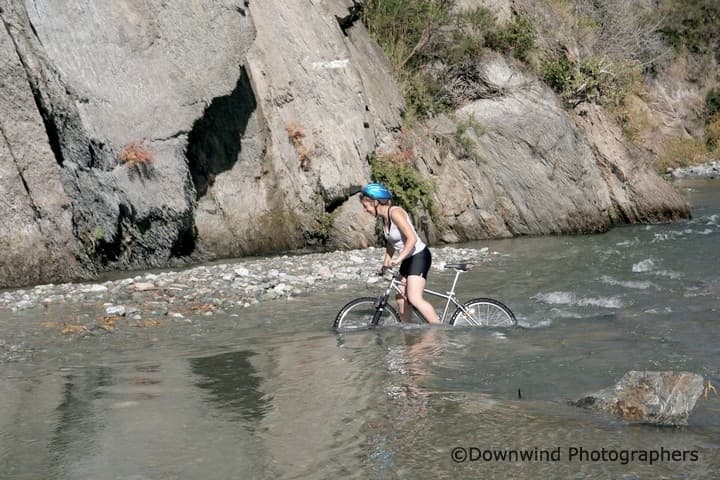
389 252
400 218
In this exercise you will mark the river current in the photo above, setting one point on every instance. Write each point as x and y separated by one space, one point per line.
274 393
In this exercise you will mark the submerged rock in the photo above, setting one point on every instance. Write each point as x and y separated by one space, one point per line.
661 398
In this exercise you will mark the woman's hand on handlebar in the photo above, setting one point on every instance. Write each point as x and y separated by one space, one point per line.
382 270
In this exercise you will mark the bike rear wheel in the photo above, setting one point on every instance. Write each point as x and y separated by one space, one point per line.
359 314
483 312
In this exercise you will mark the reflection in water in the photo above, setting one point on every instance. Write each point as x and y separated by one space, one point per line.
406 416
234 385
78 422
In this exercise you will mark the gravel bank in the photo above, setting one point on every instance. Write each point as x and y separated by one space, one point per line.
213 289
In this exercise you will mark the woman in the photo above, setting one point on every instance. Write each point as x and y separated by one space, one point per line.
412 254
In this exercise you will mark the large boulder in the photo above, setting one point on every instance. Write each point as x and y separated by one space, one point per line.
120 81
662 398
323 96
638 193
36 238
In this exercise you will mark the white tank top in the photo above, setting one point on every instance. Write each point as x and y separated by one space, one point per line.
394 236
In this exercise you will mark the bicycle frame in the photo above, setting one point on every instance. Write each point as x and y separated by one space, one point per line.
395 284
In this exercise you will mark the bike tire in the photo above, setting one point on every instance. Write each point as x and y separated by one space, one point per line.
359 314
483 312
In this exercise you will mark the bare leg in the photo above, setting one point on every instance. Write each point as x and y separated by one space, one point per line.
414 291
404 308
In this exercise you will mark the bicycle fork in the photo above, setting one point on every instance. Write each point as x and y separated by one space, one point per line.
380 306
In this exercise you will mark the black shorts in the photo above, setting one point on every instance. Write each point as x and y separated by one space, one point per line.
418 264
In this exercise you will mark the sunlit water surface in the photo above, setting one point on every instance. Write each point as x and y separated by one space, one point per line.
274 393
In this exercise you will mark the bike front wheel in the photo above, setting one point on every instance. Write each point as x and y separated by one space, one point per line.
483 312
359 314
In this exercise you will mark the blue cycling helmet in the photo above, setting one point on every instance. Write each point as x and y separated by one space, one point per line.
376 191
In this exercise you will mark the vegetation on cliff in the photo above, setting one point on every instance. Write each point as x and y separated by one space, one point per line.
606 53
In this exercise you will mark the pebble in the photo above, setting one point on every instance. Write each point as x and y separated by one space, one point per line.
144 286
118 310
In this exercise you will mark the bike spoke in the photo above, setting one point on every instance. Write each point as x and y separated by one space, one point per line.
483 313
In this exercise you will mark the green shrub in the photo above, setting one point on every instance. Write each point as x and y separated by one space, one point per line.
402 27
692 24
481 19
426 39
461 133
712 134
591 80
559 73
422 94
410 189
517 38
712 103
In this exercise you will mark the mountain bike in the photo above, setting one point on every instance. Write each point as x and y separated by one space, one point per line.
370 312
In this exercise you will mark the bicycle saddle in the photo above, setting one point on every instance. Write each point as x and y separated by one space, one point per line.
464 266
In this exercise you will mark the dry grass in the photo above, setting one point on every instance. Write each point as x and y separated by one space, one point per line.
136 153
712 135
682 152
296 135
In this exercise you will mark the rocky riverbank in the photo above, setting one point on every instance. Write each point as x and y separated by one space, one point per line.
706 170
210 289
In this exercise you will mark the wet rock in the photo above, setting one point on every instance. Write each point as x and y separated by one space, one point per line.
708 170
661 398
144 286
24 304
118 310
94 289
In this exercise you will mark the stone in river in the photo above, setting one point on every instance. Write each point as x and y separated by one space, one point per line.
660 398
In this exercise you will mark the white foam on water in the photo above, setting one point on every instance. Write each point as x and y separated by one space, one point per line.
558 312
628 243
646 265
604 302
569 298
525 323
661 237
668 274
638 285
126 404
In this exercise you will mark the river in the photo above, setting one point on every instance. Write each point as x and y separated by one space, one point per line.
274 393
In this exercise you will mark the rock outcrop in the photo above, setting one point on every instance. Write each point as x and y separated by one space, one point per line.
108 77
516 163
662 398
36 238
145 134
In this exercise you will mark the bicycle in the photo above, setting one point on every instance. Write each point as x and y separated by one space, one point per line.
370 312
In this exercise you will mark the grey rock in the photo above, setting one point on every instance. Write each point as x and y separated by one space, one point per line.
519 148
144 73
334 94
36 239
708 170
115 310
661 398
282 104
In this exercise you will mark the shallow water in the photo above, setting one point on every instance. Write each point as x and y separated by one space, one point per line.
274 393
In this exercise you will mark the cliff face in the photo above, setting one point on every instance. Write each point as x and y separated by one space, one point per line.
146 133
